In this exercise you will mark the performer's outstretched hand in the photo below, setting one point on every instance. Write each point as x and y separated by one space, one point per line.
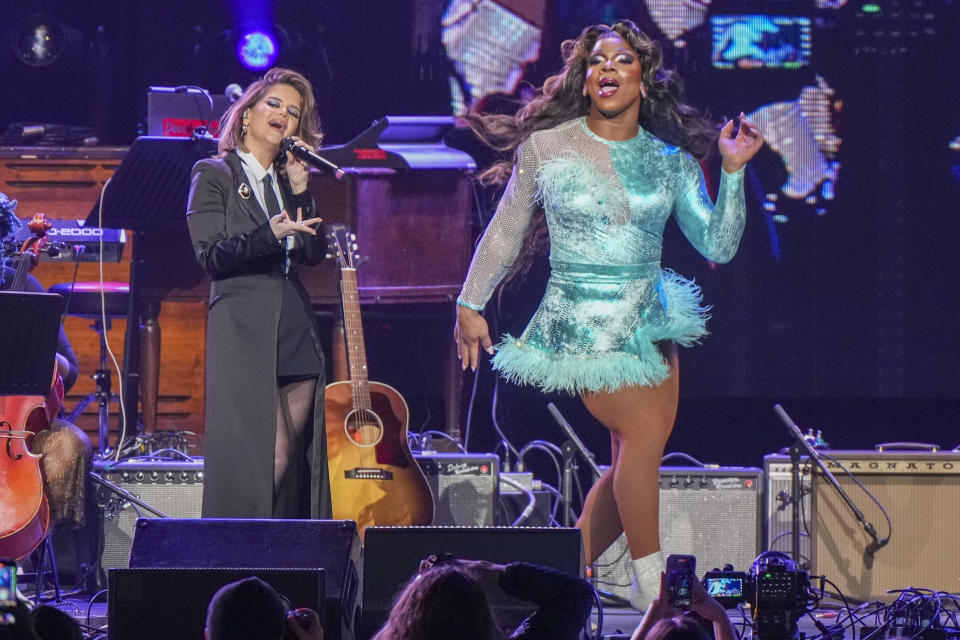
737 150
470 333
284 226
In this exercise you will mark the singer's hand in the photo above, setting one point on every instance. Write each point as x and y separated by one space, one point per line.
282 226
470 333
298 171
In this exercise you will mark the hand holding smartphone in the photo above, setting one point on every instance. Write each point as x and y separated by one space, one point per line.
8 583
681 574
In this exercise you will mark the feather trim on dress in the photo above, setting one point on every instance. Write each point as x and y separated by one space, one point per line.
640 363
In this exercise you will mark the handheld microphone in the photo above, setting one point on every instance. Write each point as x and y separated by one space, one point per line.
233 91
311 158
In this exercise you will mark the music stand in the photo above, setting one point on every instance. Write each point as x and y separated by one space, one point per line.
29 331
147 194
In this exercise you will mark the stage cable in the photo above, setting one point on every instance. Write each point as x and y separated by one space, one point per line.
496 425
106 340
469 419
886 540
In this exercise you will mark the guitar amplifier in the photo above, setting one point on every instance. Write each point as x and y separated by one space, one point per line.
778 511
713 514
174 488
465 487
919 492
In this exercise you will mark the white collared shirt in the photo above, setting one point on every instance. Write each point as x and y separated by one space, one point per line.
255 174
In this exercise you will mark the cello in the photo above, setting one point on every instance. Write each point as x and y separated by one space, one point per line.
24 510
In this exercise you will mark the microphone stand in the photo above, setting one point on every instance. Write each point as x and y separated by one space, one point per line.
801 444
796 496
569 451
123 493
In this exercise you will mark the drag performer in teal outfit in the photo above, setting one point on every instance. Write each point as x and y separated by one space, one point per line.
602 159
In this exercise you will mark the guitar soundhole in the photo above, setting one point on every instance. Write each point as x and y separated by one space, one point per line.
363 427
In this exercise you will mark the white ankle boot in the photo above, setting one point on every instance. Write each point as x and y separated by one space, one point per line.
645 584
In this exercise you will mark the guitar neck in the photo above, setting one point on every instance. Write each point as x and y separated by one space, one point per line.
353 335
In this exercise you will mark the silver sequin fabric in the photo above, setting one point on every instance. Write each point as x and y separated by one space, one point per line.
608 300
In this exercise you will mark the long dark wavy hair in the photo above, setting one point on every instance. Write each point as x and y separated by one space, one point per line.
561 98
444 603
681 627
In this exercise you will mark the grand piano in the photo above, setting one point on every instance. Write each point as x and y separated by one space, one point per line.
406 195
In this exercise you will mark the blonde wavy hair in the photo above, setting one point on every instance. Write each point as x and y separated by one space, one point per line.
308 129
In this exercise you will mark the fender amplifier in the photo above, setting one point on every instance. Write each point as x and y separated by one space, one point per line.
713 514
174 488
465 487
919 492
778 508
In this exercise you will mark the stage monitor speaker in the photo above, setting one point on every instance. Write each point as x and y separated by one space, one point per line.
172 487
393 554
713 514
332 545
778 510
464 487
919 491
159 604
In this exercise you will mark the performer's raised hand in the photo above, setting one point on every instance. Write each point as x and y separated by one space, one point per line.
737 150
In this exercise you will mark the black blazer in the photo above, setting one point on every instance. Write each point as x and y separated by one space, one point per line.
233 242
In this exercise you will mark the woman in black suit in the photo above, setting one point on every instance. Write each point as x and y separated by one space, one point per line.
252 223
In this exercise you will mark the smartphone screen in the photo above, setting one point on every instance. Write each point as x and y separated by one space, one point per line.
8 583
680 576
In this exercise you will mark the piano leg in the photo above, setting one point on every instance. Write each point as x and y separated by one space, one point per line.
338 349
150 365
452 390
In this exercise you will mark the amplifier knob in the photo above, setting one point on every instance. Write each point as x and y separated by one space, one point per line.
688 482
169 475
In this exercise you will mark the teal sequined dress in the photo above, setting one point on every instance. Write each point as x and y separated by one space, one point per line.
608 301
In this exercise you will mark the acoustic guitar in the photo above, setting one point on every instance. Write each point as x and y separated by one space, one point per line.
374 479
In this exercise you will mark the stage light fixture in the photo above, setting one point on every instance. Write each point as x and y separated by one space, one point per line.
257 49
38 41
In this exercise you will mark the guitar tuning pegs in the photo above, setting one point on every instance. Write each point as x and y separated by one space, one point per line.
353 236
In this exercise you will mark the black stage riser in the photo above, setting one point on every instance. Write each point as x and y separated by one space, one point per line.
393 554
160 604
222 543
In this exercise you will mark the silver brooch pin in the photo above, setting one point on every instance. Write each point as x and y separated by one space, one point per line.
244 191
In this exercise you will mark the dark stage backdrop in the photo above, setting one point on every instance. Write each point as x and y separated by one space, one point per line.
842 298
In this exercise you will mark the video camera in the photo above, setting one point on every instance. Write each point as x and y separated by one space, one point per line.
777 591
